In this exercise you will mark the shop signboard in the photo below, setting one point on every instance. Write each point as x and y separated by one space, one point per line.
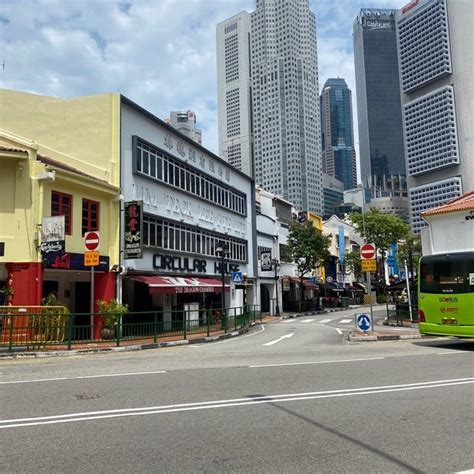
133 238
265 255
53 236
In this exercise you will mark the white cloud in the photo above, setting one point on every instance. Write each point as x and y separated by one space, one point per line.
160 54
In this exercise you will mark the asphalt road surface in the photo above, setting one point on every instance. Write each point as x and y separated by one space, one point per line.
290 396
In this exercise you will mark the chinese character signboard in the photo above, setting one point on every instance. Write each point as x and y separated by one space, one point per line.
133 238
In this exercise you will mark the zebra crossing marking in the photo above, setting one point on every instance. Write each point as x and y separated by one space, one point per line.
345 321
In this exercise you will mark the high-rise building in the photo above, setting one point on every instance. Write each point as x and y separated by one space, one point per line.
185 122
337 132
233 92
382 159
333 192
284 100
436 63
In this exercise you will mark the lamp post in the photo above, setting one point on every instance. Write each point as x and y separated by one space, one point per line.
222 252
276 268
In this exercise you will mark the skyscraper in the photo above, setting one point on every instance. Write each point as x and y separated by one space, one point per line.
437 98
185 122
382 159
284 100
233 91
337 132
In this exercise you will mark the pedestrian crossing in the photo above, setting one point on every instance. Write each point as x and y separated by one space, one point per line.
320 321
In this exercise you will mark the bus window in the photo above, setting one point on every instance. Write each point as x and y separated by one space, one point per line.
445 276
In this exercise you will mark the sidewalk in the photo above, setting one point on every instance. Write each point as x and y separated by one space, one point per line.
126 346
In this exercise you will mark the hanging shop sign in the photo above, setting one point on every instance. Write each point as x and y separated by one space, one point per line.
53 236
133 238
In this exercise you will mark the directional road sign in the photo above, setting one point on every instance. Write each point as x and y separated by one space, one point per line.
91 241
363 321
237 277
367 252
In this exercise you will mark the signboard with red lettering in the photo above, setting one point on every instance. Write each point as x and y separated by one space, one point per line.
91 241
133 238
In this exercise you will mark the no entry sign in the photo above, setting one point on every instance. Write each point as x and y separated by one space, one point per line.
367 252
91 240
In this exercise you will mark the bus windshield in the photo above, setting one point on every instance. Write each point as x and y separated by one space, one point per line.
446 274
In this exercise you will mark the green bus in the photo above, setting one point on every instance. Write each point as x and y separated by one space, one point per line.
446 294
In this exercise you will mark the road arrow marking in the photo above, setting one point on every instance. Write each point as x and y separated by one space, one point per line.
286 336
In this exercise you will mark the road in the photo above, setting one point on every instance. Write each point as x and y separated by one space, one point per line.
290 396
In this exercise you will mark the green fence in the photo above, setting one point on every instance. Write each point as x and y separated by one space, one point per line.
33 331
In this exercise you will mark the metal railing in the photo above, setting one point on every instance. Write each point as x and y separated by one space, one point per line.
54 328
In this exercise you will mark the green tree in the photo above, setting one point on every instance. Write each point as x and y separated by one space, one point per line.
410 250
353 263
308 249
381 230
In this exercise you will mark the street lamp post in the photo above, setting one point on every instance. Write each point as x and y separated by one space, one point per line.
222 252
276 268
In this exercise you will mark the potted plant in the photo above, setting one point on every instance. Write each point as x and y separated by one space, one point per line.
110 311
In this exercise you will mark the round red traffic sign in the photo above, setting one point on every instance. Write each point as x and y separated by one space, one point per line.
367 251
91 240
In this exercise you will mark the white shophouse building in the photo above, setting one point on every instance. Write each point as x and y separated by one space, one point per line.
193 202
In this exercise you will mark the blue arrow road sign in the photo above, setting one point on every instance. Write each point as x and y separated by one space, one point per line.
363 321
237 277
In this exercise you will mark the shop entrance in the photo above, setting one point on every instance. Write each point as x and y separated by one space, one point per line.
264 298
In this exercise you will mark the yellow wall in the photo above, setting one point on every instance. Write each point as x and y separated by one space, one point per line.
84 130
316 220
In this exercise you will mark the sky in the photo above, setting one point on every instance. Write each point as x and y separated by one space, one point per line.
159 53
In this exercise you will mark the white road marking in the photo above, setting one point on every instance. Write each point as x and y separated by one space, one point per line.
233 339
286 336
312 363
81 377
307 320
345 321
323 321
126 412
339 331
288 320
469 471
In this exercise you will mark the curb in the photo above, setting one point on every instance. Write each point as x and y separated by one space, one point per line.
396 337
131 348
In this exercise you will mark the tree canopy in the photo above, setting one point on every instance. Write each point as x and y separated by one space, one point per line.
379 229
307 247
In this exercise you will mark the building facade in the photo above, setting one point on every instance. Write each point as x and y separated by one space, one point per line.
284 100
234 92
71 170
382 159
185 123
193 204
437 97
337 132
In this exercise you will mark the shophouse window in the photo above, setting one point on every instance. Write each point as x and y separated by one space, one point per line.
90 215
61 205
159 166
168 235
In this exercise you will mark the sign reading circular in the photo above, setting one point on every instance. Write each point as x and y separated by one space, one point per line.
367 251
91 240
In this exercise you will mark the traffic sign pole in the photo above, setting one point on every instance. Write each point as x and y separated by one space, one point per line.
92 303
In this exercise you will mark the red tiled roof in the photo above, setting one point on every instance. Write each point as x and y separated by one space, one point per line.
63 166
463 203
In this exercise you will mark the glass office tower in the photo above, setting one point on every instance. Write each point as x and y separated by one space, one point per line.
382 158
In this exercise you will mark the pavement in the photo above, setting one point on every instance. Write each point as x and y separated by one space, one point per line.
409 330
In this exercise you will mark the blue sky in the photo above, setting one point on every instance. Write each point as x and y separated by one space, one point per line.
159 53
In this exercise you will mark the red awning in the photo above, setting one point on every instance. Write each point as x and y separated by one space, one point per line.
176 284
